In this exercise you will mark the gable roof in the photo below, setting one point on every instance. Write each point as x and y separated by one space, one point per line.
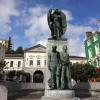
36 47
77 57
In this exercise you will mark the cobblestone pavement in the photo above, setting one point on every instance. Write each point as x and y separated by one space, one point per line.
35 95
26 95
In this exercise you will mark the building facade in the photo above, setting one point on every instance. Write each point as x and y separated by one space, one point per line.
34 62
2 52
14 62
92 48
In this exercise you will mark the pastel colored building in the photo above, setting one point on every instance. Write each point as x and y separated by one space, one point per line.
92 48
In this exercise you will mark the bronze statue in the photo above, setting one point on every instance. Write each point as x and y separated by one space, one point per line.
54 67
57 23
65 69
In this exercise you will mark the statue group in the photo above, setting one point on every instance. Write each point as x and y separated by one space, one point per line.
58 62
59 66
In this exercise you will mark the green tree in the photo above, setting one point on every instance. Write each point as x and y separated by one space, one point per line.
82 72
19 50
2 65
12 74
9 49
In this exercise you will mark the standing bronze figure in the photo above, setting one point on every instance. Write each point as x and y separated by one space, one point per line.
54 67
65 69
57 23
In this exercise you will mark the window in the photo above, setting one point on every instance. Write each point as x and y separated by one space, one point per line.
38 62
88 42
31 62
90 53
97 48
95 37
11 64
44 62
19 63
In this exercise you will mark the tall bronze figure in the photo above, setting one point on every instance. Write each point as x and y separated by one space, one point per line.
57 23
65 69
54 67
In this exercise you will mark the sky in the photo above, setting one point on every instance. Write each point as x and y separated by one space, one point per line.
26 21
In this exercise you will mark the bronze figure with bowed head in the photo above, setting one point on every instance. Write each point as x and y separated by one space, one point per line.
57 23
54 67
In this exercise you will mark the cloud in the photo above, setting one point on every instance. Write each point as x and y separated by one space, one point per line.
38 23
43 42
7 9
76 37
38 30
76 30
93 21
76 47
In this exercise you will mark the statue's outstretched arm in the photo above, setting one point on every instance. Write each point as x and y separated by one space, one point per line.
49 17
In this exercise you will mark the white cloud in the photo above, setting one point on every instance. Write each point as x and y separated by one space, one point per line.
7 9
43 42
76 36
38 21
68 15
38 30
93 21
76 30
76 47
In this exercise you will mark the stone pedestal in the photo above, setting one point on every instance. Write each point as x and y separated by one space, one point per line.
59 43
3 93
59 95
56 94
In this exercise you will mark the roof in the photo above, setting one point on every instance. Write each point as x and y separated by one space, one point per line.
77 57
92 34
36 46
14 55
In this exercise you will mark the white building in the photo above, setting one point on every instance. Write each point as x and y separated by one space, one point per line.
14 62
77 59
2 52
34 62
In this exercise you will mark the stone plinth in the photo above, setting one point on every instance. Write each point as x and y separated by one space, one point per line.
56 94
59 43
3 93
59 95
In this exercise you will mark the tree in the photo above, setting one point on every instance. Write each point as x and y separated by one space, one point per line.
19 50
82 72
12 74
9 49
2 65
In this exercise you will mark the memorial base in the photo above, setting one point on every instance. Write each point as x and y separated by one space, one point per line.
59 95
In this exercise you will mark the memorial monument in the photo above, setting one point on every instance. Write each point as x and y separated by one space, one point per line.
58 79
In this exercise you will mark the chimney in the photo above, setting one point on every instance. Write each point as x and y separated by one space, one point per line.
88 35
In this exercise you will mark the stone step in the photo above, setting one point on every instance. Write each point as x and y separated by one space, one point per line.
90 99
28 99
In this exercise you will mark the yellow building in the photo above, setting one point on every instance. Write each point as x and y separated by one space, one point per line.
4 43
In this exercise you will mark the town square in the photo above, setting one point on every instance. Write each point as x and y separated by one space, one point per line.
49 50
